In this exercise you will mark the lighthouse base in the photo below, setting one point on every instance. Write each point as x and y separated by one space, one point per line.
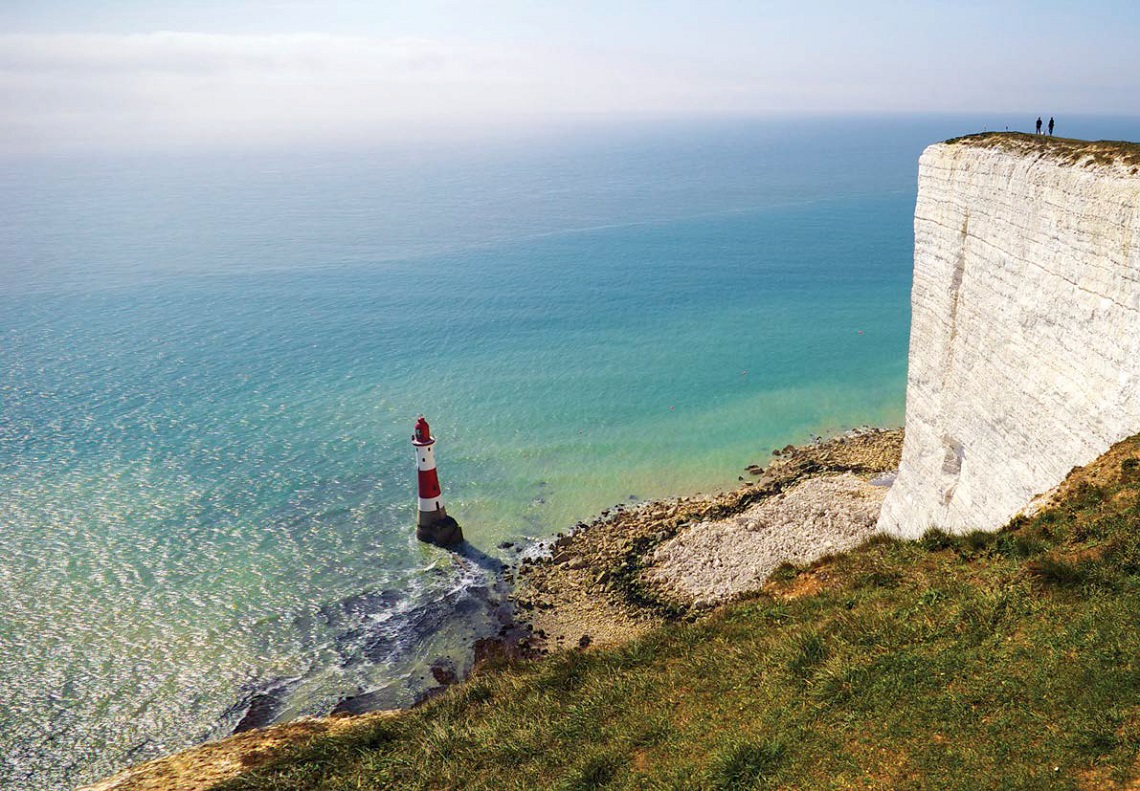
443 532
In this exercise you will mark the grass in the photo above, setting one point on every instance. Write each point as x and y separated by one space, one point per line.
1084 153
1007 660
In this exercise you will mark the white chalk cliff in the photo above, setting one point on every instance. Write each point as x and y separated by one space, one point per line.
1025 337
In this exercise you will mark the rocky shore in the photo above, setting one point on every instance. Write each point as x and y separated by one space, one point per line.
636 567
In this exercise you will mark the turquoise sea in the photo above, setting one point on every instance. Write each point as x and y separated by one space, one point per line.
210 365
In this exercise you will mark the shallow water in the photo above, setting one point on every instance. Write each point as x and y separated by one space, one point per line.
210 367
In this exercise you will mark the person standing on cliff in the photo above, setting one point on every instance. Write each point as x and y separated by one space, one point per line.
1038 124
1050 126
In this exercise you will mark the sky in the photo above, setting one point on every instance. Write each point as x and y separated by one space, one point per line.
152 73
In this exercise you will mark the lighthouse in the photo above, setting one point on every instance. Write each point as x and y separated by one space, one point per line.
434 526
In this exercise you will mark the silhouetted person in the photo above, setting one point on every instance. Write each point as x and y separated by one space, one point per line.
1050 126
1038 124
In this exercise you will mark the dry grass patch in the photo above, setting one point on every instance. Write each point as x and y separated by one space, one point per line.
1083 153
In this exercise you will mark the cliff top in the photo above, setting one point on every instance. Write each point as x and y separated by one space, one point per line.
1086 153
1069 151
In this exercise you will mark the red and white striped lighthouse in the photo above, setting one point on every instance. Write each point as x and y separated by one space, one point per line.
434 526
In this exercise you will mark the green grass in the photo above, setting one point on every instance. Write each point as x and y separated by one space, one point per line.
1007 660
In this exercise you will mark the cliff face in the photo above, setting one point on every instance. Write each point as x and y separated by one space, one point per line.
1025 341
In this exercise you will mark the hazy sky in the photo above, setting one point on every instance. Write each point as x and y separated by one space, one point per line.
158 72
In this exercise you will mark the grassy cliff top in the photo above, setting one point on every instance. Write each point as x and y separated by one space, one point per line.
1068 150
1003 660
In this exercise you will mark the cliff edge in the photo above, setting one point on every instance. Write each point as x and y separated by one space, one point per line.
1025 336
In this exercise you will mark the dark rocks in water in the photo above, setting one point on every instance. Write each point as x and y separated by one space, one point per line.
443 671
360 605
350 621
262 709
511 644
479 558
134 752
468 606
384 627
376 648
262 704
362 704
497 650
417 624
443 532
506 544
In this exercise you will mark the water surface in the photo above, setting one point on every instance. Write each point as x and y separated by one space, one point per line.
210 366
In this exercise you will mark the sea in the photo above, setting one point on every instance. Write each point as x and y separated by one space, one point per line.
211 363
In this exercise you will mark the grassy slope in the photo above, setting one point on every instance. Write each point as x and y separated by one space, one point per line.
1008 660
